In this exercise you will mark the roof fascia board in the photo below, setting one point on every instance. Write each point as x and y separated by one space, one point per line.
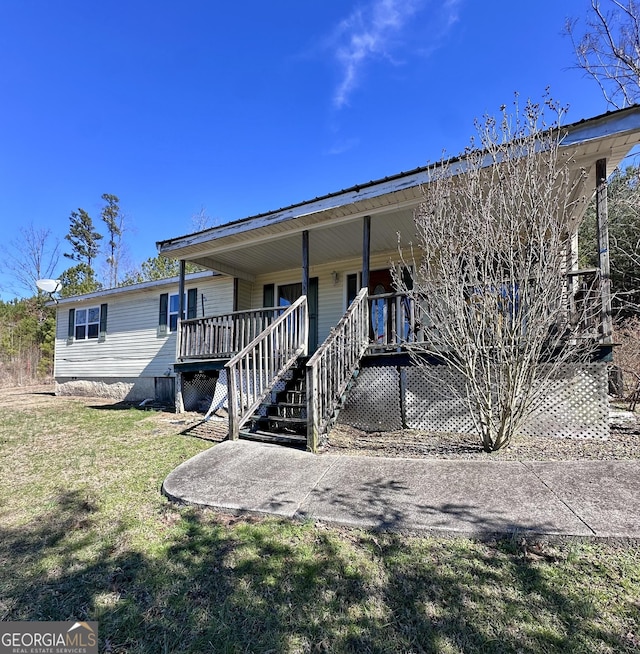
299 228
302 211
617 123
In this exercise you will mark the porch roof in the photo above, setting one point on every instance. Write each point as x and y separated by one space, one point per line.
335 231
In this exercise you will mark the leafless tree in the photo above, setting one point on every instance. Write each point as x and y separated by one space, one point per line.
489 270
201 220
32 256
607 48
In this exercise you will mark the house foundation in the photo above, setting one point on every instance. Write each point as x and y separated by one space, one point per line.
124 389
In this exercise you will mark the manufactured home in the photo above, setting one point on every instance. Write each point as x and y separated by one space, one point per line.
298 320
121 343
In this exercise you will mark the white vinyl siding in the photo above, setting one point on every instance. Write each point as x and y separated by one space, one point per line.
245 289
132 347
331 296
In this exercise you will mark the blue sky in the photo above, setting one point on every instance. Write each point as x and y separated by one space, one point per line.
243 107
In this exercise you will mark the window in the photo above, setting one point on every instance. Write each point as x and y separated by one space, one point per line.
89 323
174 310
170 310
289 293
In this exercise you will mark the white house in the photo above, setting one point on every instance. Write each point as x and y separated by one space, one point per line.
306 281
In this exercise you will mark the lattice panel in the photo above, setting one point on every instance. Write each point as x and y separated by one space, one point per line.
198 390
435 401
374 401
577 405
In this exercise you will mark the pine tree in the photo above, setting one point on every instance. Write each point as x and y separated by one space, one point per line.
114 220
83 238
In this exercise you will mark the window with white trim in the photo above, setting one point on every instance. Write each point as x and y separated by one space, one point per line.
169 310
87 323
174 310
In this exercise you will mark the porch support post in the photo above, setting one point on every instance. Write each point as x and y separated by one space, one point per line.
180 307
181 289
305 262
305 286
179 400
366 250
235 294
602 220
572 265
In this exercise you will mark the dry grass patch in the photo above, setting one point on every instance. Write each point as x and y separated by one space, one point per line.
86 534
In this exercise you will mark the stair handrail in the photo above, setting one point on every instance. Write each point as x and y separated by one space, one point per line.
332 366
252 373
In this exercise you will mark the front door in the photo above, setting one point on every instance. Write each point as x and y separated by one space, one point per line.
287 294
380 282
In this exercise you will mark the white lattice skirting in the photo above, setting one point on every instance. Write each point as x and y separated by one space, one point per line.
391 398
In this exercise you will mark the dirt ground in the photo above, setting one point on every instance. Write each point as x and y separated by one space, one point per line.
623 443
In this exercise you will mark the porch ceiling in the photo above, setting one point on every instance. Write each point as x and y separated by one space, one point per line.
338 241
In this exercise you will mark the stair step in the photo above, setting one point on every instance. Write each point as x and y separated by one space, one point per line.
296 397
285 419
271 437
287 411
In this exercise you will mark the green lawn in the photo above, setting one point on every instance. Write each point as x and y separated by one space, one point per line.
86 534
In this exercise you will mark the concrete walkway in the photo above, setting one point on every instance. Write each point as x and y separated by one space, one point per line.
572 498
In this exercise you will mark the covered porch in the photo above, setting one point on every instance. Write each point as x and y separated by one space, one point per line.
337 251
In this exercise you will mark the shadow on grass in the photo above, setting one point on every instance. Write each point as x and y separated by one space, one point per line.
217 584
124 405
457 601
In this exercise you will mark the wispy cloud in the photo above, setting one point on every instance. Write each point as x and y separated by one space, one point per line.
341 147
375 31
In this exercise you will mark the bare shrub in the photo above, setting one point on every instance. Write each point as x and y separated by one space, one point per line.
489 269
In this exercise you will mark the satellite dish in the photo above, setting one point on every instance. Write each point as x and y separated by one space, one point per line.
49 285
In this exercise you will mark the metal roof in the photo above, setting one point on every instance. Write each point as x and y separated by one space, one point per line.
580 132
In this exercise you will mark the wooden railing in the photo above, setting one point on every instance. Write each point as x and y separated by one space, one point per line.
257 367
395 320
223 336
332 366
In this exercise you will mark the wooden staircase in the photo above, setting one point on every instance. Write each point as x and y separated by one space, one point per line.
302 412
282 418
